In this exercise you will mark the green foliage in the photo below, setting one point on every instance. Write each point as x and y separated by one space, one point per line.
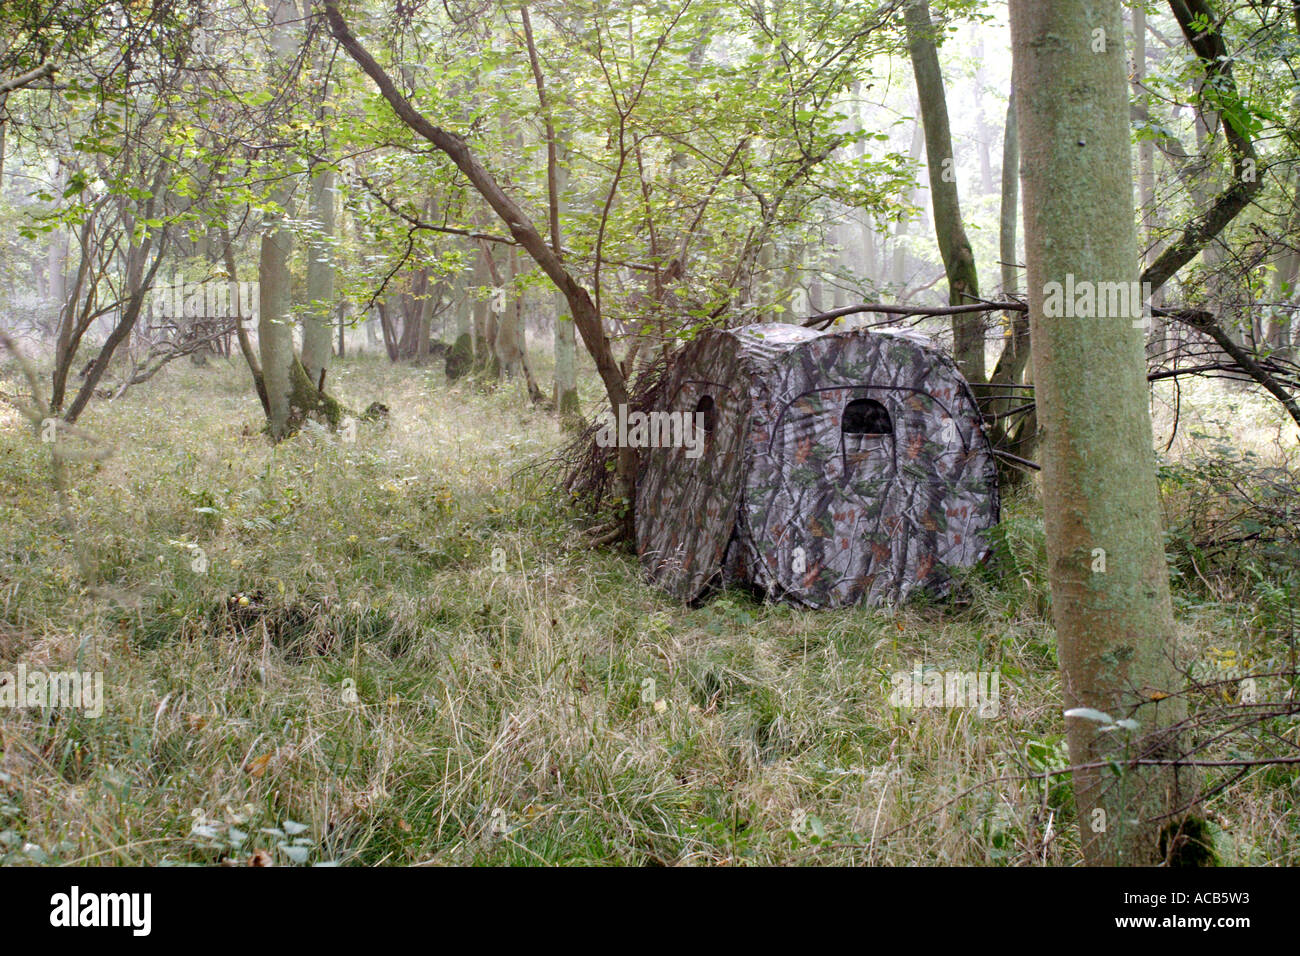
1236 524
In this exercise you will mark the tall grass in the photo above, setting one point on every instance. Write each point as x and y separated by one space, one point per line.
398 650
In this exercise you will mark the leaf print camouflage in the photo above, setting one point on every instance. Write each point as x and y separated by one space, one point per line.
842 467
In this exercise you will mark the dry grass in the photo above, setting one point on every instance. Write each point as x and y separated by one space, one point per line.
426 666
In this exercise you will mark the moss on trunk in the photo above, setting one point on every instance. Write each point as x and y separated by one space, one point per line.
460 357
308 401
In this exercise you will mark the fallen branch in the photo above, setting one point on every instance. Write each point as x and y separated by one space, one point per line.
1204 322
1017 460
1263 372
826 318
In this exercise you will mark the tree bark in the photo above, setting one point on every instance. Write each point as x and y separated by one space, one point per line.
274 317
241 331
954 246
318 317
1106 564
1020 436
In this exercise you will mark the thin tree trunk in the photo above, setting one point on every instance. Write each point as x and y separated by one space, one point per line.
1010 199
488 312
1148 212
954 246
566 354
1278 325
510 352
898 273
867 267
1020 435
274 316
460 354
318 317
984 135
4 129
241 331
138 284
386 327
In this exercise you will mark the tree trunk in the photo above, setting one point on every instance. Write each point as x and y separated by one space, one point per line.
954 246
1286 269
241 330
1148 213
898 272
386 327
487 322
4 129
290 393
566 351
318 317
1010 198
1019 435
867 261
510 346
984 135
840 238
1106 563
57 258
274 318
460 354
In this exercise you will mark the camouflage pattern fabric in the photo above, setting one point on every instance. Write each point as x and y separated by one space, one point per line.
795 499
686 508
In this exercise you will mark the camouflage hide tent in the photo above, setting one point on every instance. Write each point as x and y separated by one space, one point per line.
838 468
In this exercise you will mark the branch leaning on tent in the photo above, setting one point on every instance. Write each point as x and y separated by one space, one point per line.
1278 376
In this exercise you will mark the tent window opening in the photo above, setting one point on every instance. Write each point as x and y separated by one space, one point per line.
705 407
866 418
864 422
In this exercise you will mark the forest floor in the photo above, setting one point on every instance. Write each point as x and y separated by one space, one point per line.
398 650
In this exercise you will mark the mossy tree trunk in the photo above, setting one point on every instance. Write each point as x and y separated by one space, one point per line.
1109 582
460 354
291 393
